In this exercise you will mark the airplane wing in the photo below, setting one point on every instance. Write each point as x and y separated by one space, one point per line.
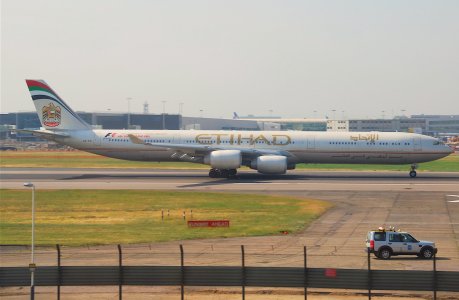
205 149
46 134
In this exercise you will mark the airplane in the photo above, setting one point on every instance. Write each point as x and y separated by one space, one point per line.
225 151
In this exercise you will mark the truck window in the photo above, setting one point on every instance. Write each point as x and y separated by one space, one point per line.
394 237
380 236
408 238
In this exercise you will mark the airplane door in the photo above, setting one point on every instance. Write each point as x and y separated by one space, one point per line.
96 140
417 146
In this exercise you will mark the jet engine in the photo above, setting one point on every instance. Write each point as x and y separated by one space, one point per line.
224 159
270 164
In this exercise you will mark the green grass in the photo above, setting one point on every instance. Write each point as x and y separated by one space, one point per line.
78 159
81 217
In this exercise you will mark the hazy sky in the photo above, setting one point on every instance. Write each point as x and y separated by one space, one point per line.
291 57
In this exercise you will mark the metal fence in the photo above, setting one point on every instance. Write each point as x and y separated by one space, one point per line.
232 276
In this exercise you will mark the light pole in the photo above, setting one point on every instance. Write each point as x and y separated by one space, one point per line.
164 114
129 112
32 263
164 106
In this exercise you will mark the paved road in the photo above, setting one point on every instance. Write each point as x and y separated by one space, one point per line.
246 180
427 206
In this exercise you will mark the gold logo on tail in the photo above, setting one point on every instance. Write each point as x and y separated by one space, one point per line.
51 115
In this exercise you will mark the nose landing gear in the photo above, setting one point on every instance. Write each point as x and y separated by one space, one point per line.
413 170
222 173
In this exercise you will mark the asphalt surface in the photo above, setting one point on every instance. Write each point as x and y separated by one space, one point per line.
426 206
245 180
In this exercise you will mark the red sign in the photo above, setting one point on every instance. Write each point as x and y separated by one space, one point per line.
211 223
330 273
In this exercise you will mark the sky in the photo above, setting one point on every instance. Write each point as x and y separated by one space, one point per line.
292 59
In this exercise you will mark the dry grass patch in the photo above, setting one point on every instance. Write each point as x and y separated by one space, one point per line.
78 217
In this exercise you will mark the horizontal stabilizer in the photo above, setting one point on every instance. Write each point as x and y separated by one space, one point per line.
47 134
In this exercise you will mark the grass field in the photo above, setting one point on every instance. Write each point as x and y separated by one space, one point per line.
78 159
83 217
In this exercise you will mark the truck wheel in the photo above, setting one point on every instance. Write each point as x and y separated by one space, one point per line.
427 253
385 253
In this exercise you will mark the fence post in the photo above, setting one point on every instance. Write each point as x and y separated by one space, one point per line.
243 271
369 274
59 272
182 273
305 275
434 277
120 273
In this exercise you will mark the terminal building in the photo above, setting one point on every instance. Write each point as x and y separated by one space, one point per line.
291 124
434 125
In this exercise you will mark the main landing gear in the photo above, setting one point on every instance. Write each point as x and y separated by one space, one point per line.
222 173
413 171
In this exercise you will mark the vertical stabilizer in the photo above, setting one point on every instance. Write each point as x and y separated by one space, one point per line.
53 112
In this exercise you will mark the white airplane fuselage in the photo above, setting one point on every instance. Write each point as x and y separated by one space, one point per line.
304 147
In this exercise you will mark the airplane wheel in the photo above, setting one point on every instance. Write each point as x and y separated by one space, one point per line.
213 173
224 173
413 174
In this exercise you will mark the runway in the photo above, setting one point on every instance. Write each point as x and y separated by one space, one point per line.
246 180
426 206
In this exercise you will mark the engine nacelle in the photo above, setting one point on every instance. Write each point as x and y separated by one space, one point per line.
270 164
224 159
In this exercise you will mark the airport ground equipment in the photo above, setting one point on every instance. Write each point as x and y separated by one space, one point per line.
386 243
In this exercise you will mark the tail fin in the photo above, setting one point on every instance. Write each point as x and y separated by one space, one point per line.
53 112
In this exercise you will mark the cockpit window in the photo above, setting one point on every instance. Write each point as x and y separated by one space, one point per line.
438 142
